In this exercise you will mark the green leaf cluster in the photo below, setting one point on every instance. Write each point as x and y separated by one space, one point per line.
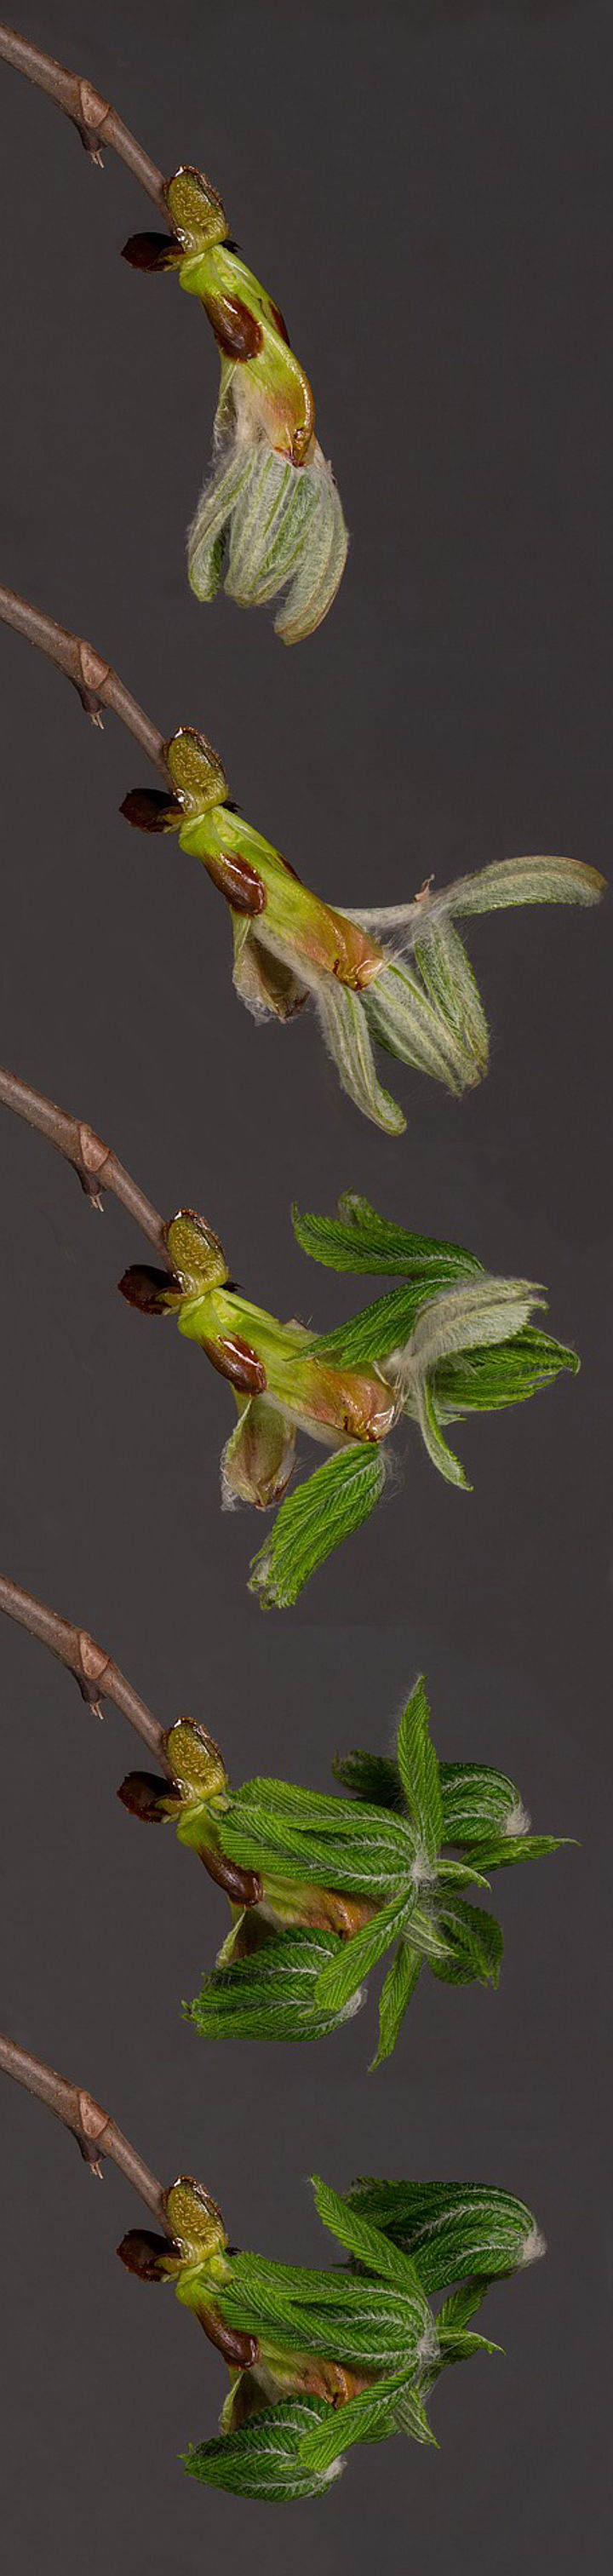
400 1851
367 2323
449 1340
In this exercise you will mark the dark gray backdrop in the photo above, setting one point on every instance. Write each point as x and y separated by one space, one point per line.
427 193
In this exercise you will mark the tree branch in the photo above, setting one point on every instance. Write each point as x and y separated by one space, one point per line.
96 2134
95 1673
98 1678
97 124
95 681
96 1167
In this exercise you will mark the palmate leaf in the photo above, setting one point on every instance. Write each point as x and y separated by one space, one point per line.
396 1994
262 2459
418 1768
453 2231
271 1995
357 1238
314 1520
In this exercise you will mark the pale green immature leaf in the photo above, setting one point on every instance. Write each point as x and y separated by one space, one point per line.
402 1019
443 1457
346 1034
450 982
523 881
264 526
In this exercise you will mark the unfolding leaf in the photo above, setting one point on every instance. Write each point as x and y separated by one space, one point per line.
418 1768
346 1034
357 1238
370 2247
263 2459
313 1521
474 1945
453 2231
339 1980
271 1994
396 1995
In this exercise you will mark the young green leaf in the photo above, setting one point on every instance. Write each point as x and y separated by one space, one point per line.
369 2246
339 1980
371 2417
263 2458
453 2231
514 1847
359 1239
314 1520
418 1768
474 1945
271 1995
396 1995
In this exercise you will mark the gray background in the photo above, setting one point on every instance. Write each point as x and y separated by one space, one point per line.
427 193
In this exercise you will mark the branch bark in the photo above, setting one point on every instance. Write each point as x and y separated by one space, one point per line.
97 124
96 2133
96 1167
95 681
95 1673
98 1678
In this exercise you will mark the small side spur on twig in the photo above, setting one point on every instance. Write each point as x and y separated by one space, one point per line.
397 977
318 2360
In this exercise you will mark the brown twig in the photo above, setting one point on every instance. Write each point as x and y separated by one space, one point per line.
97 124
95 681
95 2132
97 2136
97 1676
96 1167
